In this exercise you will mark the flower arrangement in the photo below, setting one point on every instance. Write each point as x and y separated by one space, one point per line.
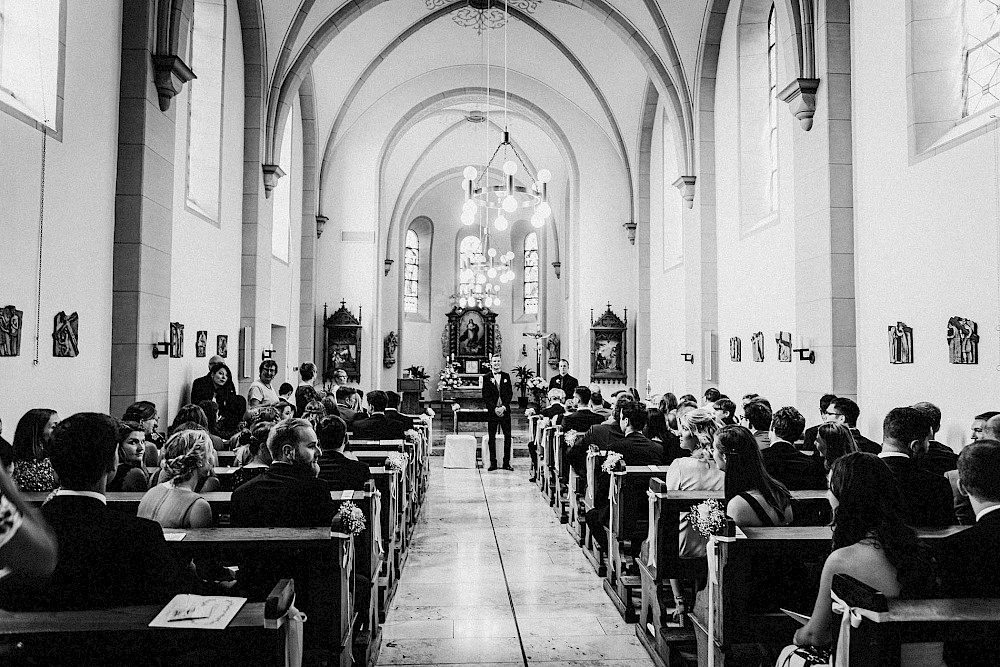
412 436
351 518
613 463
708 517
419 373
449 380
397 461
538 387
571 437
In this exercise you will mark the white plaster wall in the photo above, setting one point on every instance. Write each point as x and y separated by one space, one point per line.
926 242
205 258
79 225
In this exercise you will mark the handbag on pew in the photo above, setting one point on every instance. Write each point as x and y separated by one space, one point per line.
805 656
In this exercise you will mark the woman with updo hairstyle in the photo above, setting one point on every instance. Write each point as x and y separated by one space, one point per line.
314 412
144 412
187 460
131 474
258 453
32 468
834 440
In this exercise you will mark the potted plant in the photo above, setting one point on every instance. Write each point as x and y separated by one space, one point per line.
522 374
418 373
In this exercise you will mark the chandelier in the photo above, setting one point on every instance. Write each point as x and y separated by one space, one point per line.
483 14
481 273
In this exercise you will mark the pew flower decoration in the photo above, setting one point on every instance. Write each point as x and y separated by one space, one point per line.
538 388
571 437
352 519
413 437
708 518
449 380
613 463
397 461
428 412
455 407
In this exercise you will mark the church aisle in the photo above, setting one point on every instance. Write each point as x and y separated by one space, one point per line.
486 542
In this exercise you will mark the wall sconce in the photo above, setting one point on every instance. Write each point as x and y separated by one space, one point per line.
388 266
162 347
267 353
688 357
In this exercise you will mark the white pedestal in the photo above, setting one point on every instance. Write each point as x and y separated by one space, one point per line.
459 451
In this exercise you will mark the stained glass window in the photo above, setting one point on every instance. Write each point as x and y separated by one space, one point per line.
411 272
981 80
772 108
531 274
469 253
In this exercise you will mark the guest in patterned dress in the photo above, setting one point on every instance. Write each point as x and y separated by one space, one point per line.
32 468
27 544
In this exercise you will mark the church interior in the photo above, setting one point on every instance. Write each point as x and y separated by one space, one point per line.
499 215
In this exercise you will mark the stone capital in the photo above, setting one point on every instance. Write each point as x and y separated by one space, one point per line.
170 75
800 95
321 221
686 185
272 173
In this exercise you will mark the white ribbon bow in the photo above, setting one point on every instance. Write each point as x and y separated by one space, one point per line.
293 637
850 618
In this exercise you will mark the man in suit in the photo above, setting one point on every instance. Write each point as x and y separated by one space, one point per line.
602 436
349 405
203 386
100 549
796 470
927 497
564 380
378 426
846 411
939 458
597 402
584 417
758 416
497 393
979 424
393 413
340 472
636 450
809 436
967 560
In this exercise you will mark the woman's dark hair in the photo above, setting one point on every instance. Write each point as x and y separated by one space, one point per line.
870 508
745 469
689 398
29 442
188 413
285 388
229 386
140 411
211 410
668 402
656 426
231 413
834 440
257 441
330 403
282 404
127 428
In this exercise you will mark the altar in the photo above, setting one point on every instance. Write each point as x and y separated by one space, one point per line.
469 339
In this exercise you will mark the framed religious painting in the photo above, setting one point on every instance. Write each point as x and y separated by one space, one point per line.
609 347
342 343
470 338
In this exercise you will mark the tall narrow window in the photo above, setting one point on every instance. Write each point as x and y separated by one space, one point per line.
531 274
772 108
208 58
281 197
469 252
981 62
30 54
411 272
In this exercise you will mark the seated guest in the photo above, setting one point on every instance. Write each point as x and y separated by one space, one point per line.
285 409
725 410
698 472
991 429
336 469
597 402
846 411
600 436
927 497
746 398
32 467
657 431
378 426
834 440
259 457
305 392
757 414
288 494
349 405
216 386
668 403
967 560
131 475
551 415
230 416
873 544
27 544
260 392
392 411
105 556
240 441
585 416
286 393
809 436
174 503
144 412
979 424
206 483
211 410
189 414
314 412
796 470
939 457
711 396
330 404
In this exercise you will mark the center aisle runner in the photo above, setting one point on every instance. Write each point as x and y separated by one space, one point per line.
453 604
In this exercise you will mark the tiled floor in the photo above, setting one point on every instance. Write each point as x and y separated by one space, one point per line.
487 542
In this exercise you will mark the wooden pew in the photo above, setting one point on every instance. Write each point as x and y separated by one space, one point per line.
549 469
413 464
591 549
575 493
223 473
122 636
875 642
377 458
387 484
561 476
534 435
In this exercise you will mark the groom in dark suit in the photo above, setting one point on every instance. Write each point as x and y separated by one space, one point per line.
497 393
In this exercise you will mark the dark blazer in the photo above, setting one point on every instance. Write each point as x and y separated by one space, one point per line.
342 473
555 410
809 439
636 450
581 420
406 420
494 396
303 394
864 444
350 416
100 552
939 459
565 382
966 564
286 496
793 468
927 498
378 427
203 389
601 435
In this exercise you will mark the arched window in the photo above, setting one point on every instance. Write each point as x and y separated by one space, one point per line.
772 108
981 61
469 252
31 55
208 60
411 272
531 274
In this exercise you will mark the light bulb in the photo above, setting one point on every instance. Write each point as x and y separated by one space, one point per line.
462 302
469 207
509 203
492 273
544 209
496 301
468 218
544 176
480 279
501 222
470 173
497 288
465 186
489 301
510 275
509 255
510 167
537 221
492 252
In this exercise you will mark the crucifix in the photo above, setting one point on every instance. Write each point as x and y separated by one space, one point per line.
539 337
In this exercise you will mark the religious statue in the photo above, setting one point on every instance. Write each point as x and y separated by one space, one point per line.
552 346
11 320
65 336
176 340
200 343
389 346
900 344
963 341
735 349
784 340
757 342
222 345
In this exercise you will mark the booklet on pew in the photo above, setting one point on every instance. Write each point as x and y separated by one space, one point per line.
204 612
801 618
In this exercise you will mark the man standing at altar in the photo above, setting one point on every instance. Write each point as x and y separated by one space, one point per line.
497 393
564 380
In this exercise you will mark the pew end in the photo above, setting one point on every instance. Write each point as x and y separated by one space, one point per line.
278 602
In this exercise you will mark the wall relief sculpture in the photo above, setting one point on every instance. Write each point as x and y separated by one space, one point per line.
11 320
784 340
65 335
757 343
176 340
963 341
201 344
222 345
389 347
735 349
900 344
